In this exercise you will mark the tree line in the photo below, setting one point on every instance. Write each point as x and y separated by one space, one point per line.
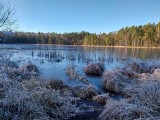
147 35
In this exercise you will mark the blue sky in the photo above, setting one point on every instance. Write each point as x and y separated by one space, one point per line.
89 15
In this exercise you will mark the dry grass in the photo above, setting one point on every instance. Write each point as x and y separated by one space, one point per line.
94 69
137 66
147 76
126 80
102 99
55 84
25 96
73 74
148 94
29 68
144 102
32 99
25 72
70 71
142 90
85 92
123 110
140 66
115 81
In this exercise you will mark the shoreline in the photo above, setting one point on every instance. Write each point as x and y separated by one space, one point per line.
82 45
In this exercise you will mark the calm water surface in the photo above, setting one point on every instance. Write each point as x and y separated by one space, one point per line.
53 60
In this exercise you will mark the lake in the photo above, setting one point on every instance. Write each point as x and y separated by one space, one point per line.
52 60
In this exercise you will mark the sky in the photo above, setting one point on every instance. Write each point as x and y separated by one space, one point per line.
95 16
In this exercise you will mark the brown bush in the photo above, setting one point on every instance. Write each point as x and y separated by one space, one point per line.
102 99
113 81
118 80
29 68
94 69
56 84
25 72
137 67
85 92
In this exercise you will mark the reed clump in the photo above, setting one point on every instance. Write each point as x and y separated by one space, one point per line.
94 69
85 92
141 93
24 72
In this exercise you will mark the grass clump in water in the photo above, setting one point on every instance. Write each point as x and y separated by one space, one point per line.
95 69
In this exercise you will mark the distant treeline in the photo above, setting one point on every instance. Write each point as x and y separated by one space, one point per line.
137 36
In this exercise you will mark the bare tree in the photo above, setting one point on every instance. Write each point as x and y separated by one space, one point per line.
7 17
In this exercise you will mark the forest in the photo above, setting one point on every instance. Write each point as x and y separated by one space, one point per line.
147 35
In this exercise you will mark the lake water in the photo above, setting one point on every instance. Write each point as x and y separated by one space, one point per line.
53 60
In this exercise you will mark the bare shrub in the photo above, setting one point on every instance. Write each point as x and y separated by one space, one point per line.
7 17
95 69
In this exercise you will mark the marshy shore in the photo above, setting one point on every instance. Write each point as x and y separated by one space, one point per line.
25 95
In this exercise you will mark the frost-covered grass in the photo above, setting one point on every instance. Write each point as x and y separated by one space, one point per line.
34 99
141 93
123 110
24 95
94 69
144 103
74 75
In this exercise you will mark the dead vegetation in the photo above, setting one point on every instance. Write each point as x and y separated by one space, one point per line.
94 69
24 72
55 84
85 92
116 81
122 79
102 98
144 103
74 75
141 93
24 96
123 110
33 99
